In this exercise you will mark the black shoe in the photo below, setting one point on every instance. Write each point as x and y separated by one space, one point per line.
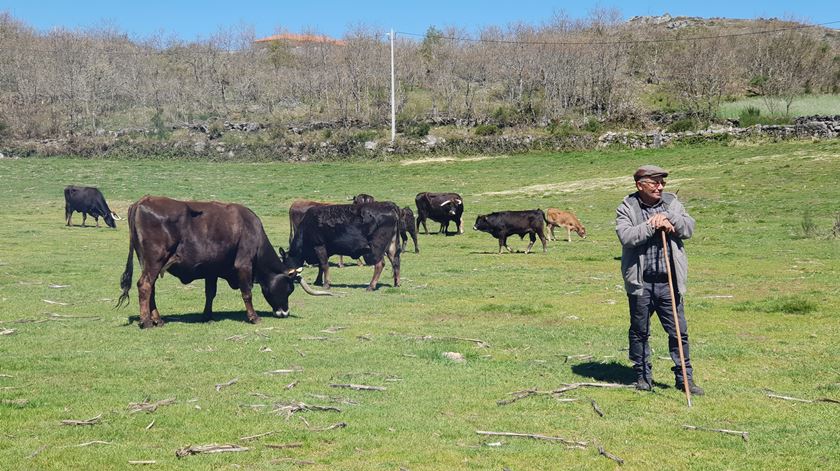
642 384
693 388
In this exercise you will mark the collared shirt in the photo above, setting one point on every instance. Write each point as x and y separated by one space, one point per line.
654 257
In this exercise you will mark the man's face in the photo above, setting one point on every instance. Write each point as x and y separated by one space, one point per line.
650 189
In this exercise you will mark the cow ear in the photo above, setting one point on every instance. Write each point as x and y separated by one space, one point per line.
282 253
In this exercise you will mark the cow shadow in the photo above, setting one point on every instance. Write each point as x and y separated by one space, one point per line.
198 317
612 372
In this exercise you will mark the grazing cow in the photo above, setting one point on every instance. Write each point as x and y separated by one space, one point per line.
87 200
407 226
505 223
557 218
363 198
440 207
204 240
368 230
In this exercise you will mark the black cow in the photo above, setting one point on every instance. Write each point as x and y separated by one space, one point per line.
358 230
204 240
505 223
440 207
87 200
363 198
408 227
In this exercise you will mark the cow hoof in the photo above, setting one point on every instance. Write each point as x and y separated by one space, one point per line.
254 320
159 323
146 325
370 288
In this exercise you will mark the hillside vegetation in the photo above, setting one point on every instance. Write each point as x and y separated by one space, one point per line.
564 73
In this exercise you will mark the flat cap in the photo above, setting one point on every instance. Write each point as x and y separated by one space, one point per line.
649 171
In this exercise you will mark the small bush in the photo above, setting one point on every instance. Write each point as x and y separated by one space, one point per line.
505 116
417 129
809 227
682 125
364 136
326 134
487 130
749 116
592 125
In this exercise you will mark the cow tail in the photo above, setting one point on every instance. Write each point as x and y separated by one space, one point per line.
125 280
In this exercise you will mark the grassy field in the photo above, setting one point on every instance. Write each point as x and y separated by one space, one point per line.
803 106
762 312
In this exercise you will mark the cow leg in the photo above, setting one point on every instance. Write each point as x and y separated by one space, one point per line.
156 320
568 234
542 239
210 285
393 253
96 218
341 261
145 288
461 226
423 222
533 238
323 266
246 282
377 272
84 218
551 232
68 214
503 241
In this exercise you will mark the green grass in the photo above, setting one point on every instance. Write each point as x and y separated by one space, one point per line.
808 105
762 312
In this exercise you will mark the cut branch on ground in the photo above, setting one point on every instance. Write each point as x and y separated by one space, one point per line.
358 387
211 448
744 435
147 406
224 385
536 436
90 421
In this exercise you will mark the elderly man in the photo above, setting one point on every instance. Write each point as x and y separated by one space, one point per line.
639 219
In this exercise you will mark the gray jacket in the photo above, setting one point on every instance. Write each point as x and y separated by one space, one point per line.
634 232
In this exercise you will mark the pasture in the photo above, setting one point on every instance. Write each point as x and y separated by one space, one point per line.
762 314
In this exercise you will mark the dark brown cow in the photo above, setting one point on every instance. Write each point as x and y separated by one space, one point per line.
506 223
440 207
370 231
408 228
87 200
204 240
299 207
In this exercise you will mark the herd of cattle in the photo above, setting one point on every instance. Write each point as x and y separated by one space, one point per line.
210 240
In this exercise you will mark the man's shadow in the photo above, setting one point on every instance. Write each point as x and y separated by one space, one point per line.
612 372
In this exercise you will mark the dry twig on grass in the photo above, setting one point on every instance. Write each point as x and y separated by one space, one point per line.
292 407
358 387
151 424
744 435
609 455
142 462
809 401
577 357
333 426
224 385
95 442
314 338
296 369
147 406
253 437
596 408
291 385
5 331
292 460
536 436
212 448
517 395
280 446
91 421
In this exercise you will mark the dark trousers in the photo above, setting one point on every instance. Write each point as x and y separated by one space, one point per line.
656 298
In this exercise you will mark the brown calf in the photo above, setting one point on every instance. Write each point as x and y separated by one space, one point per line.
557 218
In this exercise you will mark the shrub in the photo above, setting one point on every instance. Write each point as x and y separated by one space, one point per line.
682 125
749 116
809 227
487 130
417 129
364 136
505 116
159 130
592 125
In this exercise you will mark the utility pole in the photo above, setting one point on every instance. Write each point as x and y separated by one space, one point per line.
393 100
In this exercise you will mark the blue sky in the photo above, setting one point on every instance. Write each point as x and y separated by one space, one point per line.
190 20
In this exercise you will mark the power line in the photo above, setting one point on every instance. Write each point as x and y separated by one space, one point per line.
609 43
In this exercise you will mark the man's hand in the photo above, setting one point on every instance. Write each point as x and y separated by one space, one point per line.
660 221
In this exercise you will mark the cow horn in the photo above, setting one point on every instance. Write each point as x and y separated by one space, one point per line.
459 202
446 202
115 216
309 290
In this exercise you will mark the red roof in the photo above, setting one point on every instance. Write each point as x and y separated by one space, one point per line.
301 38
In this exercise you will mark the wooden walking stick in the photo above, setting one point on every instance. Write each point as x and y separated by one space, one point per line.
676 318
